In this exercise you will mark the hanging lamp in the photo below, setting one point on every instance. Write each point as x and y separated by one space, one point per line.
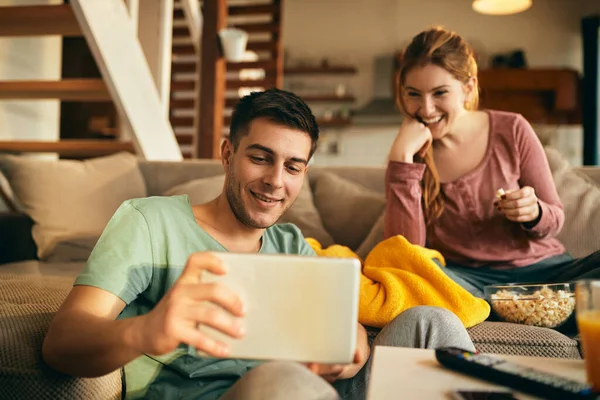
501 7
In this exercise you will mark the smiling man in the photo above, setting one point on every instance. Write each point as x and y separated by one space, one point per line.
139 301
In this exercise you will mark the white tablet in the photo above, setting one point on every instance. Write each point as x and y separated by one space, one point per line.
299 308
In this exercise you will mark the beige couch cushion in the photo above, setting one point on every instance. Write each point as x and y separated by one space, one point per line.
200 190
27 306
348 210
71 199
302 213
581 199
522 340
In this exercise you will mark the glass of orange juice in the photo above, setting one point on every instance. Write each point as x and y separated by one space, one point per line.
588 322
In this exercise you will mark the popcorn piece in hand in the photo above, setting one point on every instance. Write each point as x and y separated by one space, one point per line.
499 193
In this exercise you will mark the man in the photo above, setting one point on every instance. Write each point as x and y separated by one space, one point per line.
140 299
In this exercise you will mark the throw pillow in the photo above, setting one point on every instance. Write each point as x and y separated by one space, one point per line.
200 190
374 237
580 197
70 199
348 209
302 213
305 216
7 197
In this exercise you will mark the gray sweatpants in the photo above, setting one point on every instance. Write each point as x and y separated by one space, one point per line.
556 269
418 327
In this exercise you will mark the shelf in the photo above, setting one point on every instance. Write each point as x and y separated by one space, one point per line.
315 70
332 98
258 9
541 95
66 90
334 122
38 20
68 147
329 123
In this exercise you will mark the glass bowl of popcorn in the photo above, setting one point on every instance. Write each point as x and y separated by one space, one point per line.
544 305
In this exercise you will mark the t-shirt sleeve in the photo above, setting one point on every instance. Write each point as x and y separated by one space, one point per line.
121 262
305 249
300 245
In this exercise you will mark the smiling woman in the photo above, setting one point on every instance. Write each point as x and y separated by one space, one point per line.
449 161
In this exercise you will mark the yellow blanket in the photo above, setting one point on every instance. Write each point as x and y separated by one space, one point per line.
397 275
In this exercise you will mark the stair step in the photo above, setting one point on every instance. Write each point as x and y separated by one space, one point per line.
261 46
66 89
260 9
181 31
182 103
231 102
185 139
38 21
183 67
182 121
258 27
323 123
68 147
238 83
178 13
182 85
269 65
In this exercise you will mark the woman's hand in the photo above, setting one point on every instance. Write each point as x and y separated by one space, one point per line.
413 138
519 205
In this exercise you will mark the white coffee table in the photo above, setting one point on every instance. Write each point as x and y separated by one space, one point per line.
402 373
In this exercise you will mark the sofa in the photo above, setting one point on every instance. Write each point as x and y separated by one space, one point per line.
57 210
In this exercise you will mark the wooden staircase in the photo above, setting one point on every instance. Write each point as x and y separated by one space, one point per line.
126 80
264 69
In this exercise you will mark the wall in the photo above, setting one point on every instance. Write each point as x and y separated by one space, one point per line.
356 31
29 58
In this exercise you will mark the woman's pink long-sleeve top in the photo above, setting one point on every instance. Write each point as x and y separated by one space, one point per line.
471 231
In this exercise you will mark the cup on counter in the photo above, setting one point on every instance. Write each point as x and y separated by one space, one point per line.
588 322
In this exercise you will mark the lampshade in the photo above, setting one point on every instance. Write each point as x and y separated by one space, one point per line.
501 7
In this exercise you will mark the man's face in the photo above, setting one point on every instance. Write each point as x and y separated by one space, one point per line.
266 172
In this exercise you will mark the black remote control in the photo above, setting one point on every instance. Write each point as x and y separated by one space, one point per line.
528 380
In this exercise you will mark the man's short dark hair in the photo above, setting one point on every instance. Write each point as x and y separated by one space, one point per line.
279 106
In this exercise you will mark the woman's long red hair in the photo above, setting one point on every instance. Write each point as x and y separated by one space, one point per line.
447 50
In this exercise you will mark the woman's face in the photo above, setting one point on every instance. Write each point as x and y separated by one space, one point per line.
434 97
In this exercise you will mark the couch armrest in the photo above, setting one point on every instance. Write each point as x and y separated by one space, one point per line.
16 242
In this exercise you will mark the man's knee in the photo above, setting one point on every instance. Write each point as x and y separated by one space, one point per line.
411 327
282 380
426 315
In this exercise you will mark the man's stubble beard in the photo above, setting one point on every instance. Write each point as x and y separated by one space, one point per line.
233 192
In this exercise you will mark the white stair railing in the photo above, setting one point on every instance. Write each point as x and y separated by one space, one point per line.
191 12
112 39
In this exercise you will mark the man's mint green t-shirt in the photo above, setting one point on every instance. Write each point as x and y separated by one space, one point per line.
139 256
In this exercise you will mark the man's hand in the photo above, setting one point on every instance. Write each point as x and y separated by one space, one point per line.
519 205
188 304
334 372
413 138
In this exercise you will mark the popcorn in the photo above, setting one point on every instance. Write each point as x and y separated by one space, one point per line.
499 193
544 307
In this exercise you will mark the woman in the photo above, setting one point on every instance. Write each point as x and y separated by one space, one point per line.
446 167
